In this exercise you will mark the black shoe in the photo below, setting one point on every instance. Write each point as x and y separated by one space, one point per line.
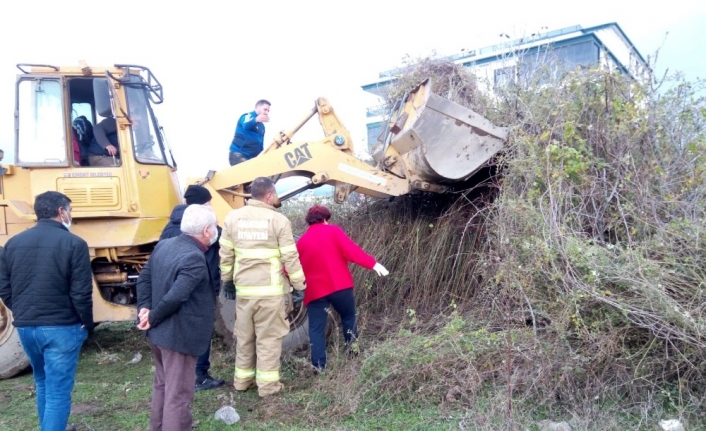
208 382
70 428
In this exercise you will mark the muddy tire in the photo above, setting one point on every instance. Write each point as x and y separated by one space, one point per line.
298 334
13 359
225 319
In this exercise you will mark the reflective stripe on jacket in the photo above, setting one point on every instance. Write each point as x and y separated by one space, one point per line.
256 245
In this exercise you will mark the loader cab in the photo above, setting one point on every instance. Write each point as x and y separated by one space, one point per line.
63 119
48 105
91 99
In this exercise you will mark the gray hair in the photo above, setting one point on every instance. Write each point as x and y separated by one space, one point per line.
196 218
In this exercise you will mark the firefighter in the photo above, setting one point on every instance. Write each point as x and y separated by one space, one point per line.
257 245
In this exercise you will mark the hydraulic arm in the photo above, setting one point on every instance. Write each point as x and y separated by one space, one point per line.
429 143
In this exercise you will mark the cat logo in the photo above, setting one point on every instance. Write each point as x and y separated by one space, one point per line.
297 157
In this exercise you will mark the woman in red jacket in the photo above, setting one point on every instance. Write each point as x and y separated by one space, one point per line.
324 252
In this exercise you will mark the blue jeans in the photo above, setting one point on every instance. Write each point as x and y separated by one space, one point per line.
53 353
343 301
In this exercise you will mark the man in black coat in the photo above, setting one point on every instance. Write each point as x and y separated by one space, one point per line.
199 195
46 281
177 308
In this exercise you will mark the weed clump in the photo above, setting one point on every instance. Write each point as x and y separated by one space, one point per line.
575 277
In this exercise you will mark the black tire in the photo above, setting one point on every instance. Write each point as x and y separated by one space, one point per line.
13 359
225 319
298 334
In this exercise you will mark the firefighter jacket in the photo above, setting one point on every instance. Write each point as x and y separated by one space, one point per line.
257 245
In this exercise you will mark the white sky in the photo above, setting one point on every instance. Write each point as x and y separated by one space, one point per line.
215 59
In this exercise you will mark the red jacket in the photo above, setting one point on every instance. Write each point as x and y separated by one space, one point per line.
324 252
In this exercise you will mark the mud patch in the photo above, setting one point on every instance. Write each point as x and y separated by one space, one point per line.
85 409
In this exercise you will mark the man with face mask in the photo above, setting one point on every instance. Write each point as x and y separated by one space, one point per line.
196 194
177 308
46 281
256 246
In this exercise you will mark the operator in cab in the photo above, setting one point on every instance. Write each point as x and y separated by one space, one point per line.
104 148
249 134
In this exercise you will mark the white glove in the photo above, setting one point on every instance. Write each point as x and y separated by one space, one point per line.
380 269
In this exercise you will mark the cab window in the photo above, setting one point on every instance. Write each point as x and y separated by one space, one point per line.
40 135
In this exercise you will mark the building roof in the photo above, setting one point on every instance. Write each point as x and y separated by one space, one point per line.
615 26
490 53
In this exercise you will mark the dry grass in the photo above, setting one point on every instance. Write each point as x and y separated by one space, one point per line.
573 281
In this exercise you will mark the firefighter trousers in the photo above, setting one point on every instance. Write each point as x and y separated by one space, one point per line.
260 326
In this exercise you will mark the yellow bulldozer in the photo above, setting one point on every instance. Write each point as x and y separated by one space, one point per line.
120 210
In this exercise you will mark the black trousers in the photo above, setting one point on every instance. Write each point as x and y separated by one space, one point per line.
235 158
343 301
203 364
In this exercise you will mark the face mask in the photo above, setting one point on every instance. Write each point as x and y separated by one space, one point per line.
67 224
215 237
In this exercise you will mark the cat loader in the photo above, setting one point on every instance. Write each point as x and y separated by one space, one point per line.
120 210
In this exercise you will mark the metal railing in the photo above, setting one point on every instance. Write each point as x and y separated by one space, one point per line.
495 48
375 111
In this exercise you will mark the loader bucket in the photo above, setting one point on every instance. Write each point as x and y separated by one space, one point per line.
441 141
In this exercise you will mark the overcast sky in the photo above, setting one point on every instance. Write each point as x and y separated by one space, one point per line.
215 59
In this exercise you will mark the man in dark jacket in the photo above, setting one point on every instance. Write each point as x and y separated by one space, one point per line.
104 149
46 281
199 195
177 308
